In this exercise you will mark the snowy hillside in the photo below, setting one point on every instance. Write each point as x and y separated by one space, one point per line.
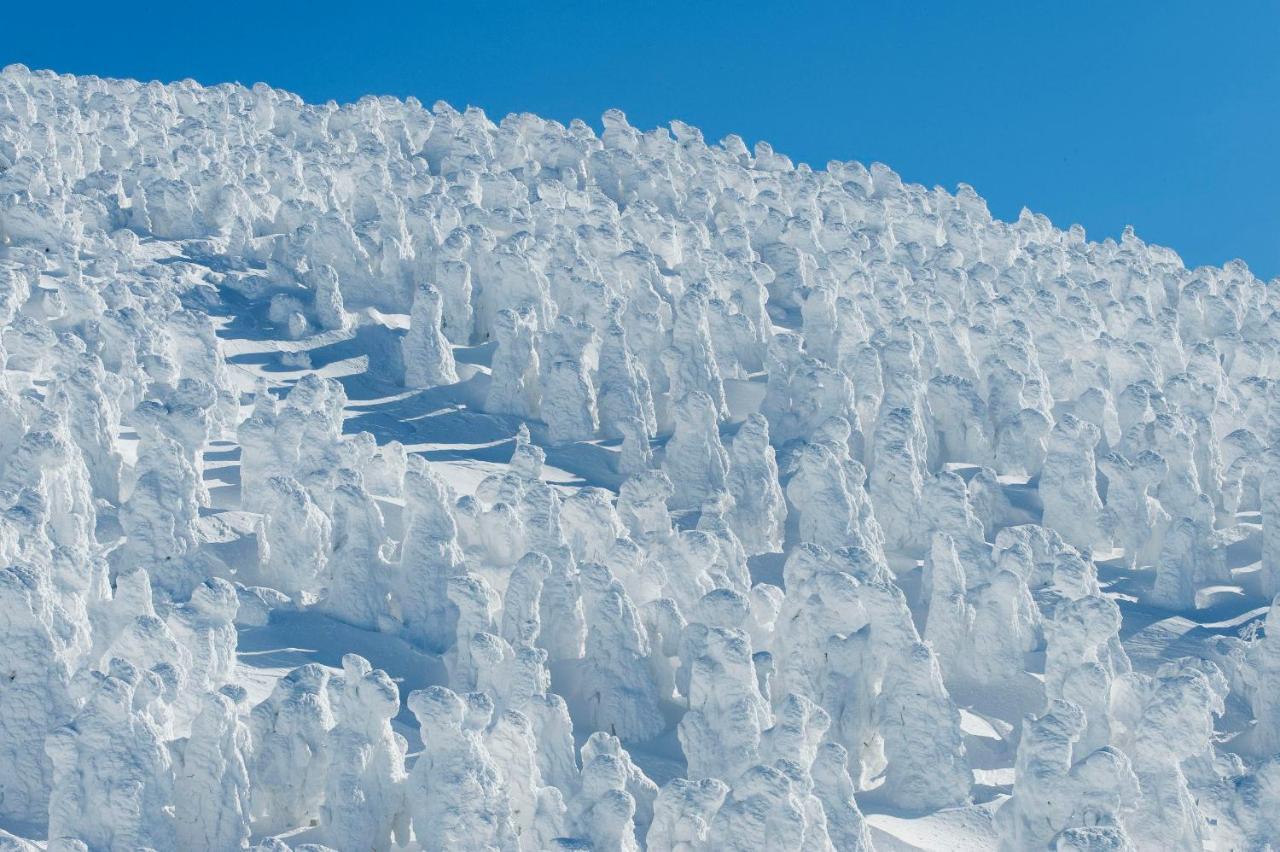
376 477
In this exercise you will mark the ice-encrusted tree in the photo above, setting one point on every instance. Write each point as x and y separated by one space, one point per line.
822 494
294 538
37 691
1191 556
1080 631
834 788
112 784
205 626
1055 793
358 571
537 809
513 388
455 793
896 478
636 454
924 749
602 747
618 694
364 789
624 393
428 357
695 460
327 301
759 512
476 603
1258 673
1133 518
429 557
291 749
211 779
691 360
761 809
567 391
1162 720
1269 495
683 812
159 517
720 733
1068 483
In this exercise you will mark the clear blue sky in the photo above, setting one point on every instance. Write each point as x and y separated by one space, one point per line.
1164 115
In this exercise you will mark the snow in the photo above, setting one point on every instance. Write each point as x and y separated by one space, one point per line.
375 476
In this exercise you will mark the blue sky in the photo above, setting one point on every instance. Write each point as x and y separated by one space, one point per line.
1163 115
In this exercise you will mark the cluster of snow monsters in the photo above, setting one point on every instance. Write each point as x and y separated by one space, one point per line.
924 425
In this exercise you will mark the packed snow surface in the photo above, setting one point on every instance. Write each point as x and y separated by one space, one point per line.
375 477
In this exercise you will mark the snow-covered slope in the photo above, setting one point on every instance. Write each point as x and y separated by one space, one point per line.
387 478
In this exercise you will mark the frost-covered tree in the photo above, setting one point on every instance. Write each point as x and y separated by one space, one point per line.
211 779
691 361
358 570
695 460
455 792
293 538
37 691
513 388
429 557
682 814
428 358
205 625
113 782
1068 483
1161 722
568 394
159 516
720 733
823 496
1082 630
618 694
291 749
1055 794
1132 517
364 789
927 767
624 393
834 788
759 512
896 478
761 810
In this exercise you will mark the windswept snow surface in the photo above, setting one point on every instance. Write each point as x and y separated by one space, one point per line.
376 477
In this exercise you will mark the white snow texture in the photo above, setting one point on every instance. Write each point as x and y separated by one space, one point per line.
376 477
